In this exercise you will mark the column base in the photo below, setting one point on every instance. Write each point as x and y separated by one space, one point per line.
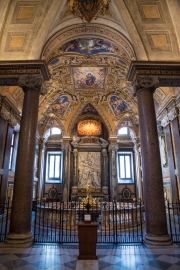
153 240
18 240
74 190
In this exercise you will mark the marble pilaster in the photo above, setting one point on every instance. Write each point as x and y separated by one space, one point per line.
176 139
75 160
41 163
139 191
20 222
66 175
104 168
156 225
15 147
113 171
169 120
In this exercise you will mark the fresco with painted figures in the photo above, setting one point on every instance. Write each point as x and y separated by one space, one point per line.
89 46
89 109
60 105
126 122
118 105
89 77
52 123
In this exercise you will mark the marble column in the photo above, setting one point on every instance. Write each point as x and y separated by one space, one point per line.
104 172
138 168
113 172
40 173
74 183
20 223
156 225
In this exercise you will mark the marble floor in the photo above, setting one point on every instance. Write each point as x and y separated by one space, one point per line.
110 257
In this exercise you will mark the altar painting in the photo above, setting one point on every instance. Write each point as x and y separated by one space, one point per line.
89 169
89 128
118 105
60 105
89 77
89 46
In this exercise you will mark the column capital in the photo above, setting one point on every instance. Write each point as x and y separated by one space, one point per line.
75 152
145 82
32 81
41 142
104 152
113 147
65 146
136 142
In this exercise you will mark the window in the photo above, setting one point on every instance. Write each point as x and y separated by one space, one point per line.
53 131
54 166
125 167
11 152
123 131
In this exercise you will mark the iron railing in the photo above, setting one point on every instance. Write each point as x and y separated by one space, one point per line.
117 222
4 220
173 220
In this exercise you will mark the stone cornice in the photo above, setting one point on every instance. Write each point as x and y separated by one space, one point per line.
12 69
168 73
167 107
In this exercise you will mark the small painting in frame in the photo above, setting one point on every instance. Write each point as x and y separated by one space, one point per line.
87 217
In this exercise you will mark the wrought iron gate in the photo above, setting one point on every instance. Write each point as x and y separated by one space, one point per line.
117 222
173 220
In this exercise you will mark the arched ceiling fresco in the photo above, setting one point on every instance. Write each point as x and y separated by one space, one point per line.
88 62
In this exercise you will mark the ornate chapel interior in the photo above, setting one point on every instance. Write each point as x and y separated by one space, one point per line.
89 98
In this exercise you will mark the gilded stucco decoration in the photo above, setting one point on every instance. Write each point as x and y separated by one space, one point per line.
88 9
100 116
54 47
89 70
89 127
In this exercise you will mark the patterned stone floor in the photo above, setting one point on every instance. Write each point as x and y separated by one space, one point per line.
110 257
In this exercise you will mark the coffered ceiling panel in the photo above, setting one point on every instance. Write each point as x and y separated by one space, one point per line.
151 13
159 41
16 41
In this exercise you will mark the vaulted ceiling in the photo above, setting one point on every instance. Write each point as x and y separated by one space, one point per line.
88 62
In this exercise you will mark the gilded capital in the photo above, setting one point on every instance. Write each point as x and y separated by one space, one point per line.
32 82
147 82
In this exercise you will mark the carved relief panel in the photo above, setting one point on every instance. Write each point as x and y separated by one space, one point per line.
89 169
